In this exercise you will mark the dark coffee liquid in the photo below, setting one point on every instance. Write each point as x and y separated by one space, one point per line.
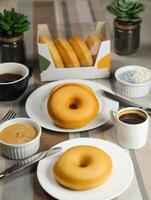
132 118
5 78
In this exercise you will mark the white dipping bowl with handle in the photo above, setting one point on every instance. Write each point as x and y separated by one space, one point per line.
129 89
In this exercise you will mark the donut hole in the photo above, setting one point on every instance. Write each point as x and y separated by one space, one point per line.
73 106
74 103
85 162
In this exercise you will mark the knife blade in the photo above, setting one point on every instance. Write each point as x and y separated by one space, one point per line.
123 101
22 164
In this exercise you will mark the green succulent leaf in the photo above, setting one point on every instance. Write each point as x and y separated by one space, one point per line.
126 10
13 23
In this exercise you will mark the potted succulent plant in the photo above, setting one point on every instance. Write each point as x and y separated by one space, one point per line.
12 27
126 25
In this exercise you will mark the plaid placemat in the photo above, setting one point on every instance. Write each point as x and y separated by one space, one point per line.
24 186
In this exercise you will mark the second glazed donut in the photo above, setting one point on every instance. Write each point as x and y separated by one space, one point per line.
83 167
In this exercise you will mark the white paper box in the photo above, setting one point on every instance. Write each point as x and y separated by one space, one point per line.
101 68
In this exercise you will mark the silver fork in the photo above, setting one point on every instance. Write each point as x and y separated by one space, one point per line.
9 115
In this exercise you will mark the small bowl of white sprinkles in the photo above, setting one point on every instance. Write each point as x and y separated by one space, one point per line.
133 80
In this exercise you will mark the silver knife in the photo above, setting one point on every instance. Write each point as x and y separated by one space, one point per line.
123 101
22 164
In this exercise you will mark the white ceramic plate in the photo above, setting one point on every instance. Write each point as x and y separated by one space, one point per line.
118 182
36 106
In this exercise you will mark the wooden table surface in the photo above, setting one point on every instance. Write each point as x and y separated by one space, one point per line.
25 186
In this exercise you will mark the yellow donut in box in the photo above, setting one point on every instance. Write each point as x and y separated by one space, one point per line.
93 42
82 51
53 50
67 53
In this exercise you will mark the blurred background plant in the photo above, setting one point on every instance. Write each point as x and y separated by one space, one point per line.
13 23
126 10
126 25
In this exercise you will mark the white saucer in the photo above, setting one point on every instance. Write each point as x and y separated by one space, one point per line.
36 106
118 182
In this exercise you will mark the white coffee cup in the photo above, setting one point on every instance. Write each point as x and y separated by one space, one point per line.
132 126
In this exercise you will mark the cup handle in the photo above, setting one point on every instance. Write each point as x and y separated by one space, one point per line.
113 117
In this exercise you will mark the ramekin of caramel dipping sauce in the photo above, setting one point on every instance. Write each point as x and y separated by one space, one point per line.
19 133
19 138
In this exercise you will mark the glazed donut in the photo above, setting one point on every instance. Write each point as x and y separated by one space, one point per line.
53 50
93 42
82 51
82 167
67 53
72 105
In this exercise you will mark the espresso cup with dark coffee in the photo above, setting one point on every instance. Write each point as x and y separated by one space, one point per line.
13 80
132 126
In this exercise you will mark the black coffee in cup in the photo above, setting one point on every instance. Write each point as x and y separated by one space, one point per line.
132 117
13 80
7 77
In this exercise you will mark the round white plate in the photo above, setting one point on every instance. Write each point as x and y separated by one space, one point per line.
36 106
118 182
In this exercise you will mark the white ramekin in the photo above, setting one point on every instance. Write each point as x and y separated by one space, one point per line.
21 151
130 89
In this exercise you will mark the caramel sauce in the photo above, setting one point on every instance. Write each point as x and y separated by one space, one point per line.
18 133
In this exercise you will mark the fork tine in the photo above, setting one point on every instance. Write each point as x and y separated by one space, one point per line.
13 115
5 117
10 115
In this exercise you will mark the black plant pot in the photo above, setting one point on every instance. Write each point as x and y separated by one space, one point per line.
127 36
12 49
